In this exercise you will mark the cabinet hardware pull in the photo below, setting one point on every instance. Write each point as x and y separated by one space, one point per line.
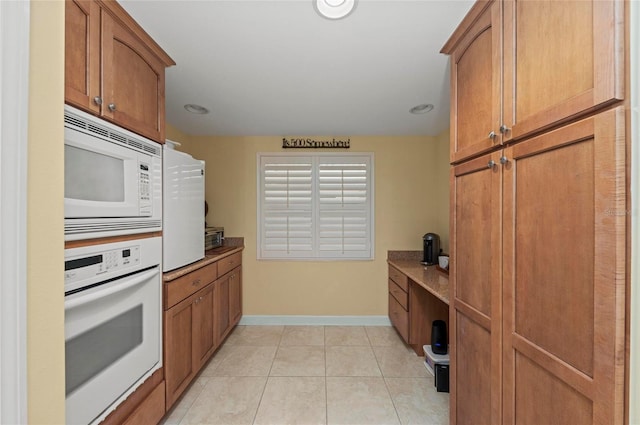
97 100
492 135
112 107
504 129
196 282
491 163
503 160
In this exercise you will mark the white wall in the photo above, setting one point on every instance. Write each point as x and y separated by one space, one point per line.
14 71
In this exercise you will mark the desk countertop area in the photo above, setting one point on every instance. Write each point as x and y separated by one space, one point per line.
434 281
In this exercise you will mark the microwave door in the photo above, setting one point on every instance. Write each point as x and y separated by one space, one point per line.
101 179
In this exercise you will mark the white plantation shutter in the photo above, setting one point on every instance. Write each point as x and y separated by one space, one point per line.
315 206
287 207
344 206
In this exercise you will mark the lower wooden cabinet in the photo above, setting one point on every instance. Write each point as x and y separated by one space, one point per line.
201 309
412 309
228 303
151 410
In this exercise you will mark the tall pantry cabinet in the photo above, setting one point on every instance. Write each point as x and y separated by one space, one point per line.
538 213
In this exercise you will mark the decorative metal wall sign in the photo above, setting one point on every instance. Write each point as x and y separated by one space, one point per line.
315 144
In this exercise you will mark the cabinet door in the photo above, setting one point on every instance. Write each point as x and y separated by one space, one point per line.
179 367
221 314
561 59
475 312
203 335
475 87
82 54
235 296
133 81
564 274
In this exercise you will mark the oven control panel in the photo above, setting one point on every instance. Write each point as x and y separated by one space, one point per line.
101 262
88 266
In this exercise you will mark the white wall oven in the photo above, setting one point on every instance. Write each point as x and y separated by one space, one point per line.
113 339
113 179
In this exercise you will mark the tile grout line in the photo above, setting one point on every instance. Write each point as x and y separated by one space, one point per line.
384 379
266 381
326 389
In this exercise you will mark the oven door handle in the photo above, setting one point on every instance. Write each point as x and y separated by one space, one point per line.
85 299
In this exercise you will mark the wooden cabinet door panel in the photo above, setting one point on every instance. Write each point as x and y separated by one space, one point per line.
475 312
178 355
569 60
203 335
221 308
564 274
133 81
475 87
82 54
235 296
471 376
476 206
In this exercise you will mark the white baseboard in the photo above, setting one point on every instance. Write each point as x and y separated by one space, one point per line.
316 320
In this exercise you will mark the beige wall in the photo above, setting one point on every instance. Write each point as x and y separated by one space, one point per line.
409 203
442 169
45 216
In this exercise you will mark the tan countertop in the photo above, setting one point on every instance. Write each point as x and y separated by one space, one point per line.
210 256
434 281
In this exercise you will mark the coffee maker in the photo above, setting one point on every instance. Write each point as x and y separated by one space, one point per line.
431 245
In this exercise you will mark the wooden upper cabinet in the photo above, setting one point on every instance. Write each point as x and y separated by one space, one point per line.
475 84
113 69
521 67
82 54
562 59
564 274
133 82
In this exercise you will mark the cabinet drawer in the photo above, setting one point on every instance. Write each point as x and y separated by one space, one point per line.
400 296
399 317
229 263
399 278
182 287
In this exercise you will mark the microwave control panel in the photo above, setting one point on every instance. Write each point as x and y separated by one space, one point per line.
144 189
107 262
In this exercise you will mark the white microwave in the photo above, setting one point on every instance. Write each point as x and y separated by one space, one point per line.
112 179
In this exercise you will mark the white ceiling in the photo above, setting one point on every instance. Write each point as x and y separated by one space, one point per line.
267 67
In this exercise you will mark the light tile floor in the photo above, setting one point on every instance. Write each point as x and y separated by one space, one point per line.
281 375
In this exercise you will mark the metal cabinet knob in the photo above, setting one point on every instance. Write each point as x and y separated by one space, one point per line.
97 100
491 163
504 160
492 135
504 129
112 107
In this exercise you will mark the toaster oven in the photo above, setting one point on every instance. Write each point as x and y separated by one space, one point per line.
213 237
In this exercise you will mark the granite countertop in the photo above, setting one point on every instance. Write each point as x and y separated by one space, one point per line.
434 281
210 256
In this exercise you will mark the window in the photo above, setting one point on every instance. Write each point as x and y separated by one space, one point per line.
316 206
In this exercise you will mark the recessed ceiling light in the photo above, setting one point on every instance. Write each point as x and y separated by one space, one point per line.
334 9
421 109
196 109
